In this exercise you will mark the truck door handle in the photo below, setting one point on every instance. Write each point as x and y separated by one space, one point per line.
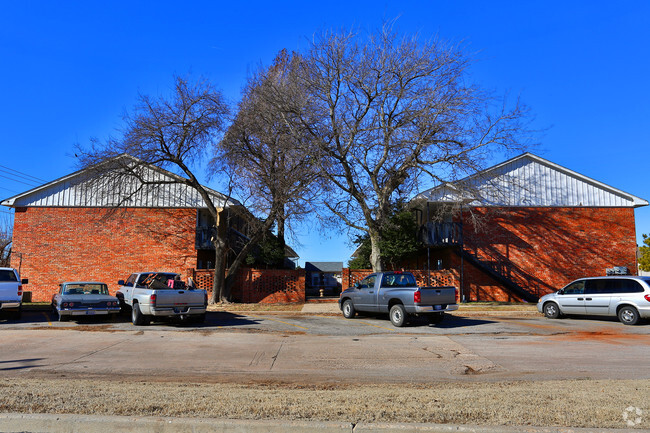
581 299
371 291
587 299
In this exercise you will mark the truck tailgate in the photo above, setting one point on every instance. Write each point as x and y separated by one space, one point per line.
437 295
178 298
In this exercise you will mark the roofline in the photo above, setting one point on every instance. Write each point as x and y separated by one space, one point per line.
9 202
637 201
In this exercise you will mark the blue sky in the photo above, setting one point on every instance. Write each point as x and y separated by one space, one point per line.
71 69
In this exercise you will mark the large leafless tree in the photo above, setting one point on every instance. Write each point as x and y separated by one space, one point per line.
174 133
5 240
390 112
273 163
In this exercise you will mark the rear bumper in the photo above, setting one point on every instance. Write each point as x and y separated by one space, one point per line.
420 309
177 311
9 305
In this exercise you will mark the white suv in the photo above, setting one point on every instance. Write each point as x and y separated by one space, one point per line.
11 291
627 297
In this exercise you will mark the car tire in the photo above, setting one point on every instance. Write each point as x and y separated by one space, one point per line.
435 318
348 309
137 318
398 315
628 315
551 310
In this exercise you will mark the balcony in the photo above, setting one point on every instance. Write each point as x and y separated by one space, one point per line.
436 234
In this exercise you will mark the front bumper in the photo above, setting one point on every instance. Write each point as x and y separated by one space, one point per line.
88 311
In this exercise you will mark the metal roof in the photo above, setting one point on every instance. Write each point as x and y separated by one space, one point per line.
531 181
149 186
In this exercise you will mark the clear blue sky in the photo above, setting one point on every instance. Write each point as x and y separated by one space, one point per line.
70 69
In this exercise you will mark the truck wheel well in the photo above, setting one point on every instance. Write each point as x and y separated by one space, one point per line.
393 302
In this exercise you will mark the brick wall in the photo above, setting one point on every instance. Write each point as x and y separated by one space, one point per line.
265 286
543 249
67 244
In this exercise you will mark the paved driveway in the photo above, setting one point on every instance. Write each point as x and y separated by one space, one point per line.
262 347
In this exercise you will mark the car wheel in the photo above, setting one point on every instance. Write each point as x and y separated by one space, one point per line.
398 315
628 315
551 310
348 309
137 318
436 318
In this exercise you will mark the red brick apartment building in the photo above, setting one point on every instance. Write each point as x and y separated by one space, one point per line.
70 229
524 228
516 231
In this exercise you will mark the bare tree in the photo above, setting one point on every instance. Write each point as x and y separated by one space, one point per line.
5 241
172 133
390 112
272 162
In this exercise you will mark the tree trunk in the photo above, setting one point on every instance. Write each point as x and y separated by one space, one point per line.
220 242
375 253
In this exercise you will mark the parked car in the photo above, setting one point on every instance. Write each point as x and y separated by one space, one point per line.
11 292
84 298
625 297
397 294
161 295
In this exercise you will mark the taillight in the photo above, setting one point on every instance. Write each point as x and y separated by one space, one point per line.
457 295
417 297
152 299
20 290
647 297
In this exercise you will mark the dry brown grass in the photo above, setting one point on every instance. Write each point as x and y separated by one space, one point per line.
578 403
254 307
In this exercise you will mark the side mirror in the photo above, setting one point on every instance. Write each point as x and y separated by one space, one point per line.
560 292
120 283
24 281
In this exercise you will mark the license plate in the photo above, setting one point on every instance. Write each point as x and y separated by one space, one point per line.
90 313
437 307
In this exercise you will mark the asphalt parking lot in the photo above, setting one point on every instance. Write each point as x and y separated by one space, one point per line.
294 346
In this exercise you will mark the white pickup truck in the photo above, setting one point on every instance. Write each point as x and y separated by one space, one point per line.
161 295
11 292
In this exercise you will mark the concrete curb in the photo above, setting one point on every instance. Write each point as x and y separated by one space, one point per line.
67 423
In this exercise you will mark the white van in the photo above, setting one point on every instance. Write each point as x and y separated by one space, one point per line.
627 297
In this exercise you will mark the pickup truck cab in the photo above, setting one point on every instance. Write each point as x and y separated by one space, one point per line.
11 292
397 294
160 294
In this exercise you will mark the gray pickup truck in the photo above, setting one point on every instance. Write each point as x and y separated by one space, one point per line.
160 294
397 294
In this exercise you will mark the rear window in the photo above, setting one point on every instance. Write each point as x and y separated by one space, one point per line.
613 286
7 275
156 280
398 280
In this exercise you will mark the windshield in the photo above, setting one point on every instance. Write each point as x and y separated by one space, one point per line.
85 289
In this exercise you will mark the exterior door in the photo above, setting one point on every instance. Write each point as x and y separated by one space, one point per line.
572 298
598 295
366 294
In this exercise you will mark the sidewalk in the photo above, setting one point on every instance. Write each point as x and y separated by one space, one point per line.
65 423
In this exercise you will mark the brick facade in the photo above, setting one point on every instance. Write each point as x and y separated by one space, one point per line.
68 244
543 249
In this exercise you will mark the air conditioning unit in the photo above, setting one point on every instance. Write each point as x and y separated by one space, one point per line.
618 270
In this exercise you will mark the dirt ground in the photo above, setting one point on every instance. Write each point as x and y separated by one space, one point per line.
576 403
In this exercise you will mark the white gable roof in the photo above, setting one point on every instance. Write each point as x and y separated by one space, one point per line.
531 181
152 187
